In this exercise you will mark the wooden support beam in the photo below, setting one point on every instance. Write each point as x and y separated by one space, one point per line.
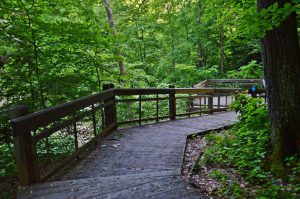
210 104
27 168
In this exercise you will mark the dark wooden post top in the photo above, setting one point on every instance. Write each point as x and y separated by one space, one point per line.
108 86
18 111
25 153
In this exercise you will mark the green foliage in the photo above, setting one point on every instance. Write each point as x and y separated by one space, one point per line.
245 147
55 147
136 77
249 71
7 161
228 188
216 174
273 15
253 113
186 76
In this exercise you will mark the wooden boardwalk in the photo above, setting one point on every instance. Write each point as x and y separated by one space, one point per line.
138 162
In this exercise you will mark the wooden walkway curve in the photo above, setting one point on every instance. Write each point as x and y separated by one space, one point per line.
138 162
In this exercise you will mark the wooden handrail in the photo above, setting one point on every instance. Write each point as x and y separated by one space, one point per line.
152 91
42 118
258 81
208 82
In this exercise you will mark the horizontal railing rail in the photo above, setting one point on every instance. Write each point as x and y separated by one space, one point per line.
42 118
78 125
258 81
242 83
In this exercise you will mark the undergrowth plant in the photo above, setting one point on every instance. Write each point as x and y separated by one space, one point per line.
246 148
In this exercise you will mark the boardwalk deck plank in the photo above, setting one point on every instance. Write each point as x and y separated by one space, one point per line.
138 162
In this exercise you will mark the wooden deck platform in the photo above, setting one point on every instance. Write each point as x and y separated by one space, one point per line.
138 162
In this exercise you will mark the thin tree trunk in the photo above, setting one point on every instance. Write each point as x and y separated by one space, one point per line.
141 52
281 58
172 41
114 32
35 56
205 56
41 89
186 28
199 45
98 75
173 50
139 43
32 95
222 51
199 62
144 45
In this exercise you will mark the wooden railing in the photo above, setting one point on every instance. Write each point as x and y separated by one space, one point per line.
234 83
83 123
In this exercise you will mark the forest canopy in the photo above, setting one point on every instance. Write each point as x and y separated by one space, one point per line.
55 51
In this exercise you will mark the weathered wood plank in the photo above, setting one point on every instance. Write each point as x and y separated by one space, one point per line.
138 162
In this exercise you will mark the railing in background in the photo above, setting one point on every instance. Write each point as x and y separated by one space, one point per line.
244 84
234 83
181 102
83 122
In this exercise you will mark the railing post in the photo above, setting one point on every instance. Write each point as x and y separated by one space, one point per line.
140 110
172 104
109 110
157 109
210 105
27 168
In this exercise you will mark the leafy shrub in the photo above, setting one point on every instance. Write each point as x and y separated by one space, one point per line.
184 75
252 70
253 113
56 147
245 147
7 161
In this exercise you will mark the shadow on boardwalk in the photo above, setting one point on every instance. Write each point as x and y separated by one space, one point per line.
139 162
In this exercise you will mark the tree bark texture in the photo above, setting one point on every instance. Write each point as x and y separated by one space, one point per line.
114 32
281 58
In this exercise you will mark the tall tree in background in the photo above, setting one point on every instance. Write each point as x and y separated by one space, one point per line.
114 32
199 13
281 58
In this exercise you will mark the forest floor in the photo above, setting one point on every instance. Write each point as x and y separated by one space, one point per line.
207 179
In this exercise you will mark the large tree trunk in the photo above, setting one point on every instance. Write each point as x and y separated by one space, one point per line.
114 32
281 58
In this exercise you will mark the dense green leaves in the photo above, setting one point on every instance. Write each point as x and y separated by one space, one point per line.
246 149
249 71
62 50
